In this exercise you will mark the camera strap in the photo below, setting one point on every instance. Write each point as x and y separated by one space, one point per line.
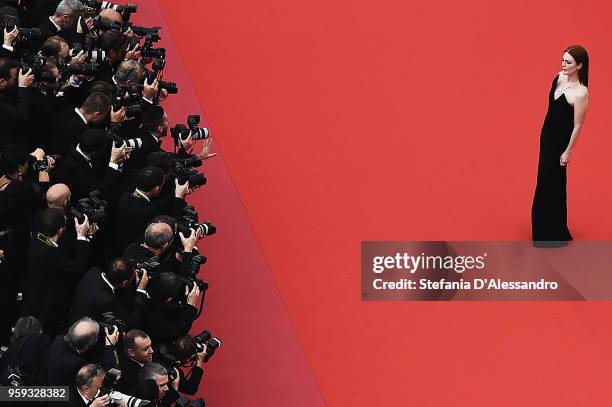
46 240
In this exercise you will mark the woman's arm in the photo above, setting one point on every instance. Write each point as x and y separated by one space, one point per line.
581 104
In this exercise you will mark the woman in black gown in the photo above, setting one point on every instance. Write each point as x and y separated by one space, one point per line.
567 106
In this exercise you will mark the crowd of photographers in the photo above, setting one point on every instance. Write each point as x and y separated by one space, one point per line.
98 252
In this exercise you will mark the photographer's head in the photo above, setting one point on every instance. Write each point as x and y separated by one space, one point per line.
150 181
110 16
67 14
155 371
96 108
52 223
155 121
127 73
14 161
161 159
83 334
8 74
120 273
115 45
158 237
47 80
93 143
55 47
164 287
24 327
58 196
185 349
137 346
89 380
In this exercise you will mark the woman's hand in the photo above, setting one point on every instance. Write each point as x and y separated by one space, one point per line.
565 158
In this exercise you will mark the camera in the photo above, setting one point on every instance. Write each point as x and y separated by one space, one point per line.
37 63
212 344
168 361
10 22
196 262
193 125
189 220
153 52
95 208
183 174
149 265
110 321
43 165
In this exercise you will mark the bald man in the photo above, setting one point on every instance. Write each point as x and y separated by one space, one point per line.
111 15
74 350
58 196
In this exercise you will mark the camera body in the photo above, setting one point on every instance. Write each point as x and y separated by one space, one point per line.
95 208
183 174
43 165
212 344
110 321
180 131
189 220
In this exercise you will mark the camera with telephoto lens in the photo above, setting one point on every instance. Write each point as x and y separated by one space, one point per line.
130 144
180 131
9 23
183 174
116 398
43 165
110 321
95 208
187 402
191 161
149 52
120 8
141 31
189 220
212 344
37 63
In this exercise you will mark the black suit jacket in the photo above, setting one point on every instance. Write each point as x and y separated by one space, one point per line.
83 178
14 106
31 353
44 111
138 157
66 132
133 214
129 374
164 323
95 297
65 361
51 280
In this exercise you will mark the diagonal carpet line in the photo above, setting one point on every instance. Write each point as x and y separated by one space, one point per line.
252 229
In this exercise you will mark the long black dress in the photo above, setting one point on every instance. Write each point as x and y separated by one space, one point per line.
549 210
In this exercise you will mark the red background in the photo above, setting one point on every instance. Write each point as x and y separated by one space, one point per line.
349 120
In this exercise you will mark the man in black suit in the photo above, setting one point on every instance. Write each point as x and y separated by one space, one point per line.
114 44
63 22
52 276
95 294
80 170
72 123
135 210
15 100
137 352
168 315
77 348
88 380
154 128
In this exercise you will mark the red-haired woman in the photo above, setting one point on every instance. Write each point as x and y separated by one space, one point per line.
567 106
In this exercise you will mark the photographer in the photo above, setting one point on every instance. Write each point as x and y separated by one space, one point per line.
135 210
15 100
165 391
137 352
71 124
81 169
185 351
79 347
89 380
172 309
154 128
63 22
158 240
28 354
114 44
95 294
52 277
20 197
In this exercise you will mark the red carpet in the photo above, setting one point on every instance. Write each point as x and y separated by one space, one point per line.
350 120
